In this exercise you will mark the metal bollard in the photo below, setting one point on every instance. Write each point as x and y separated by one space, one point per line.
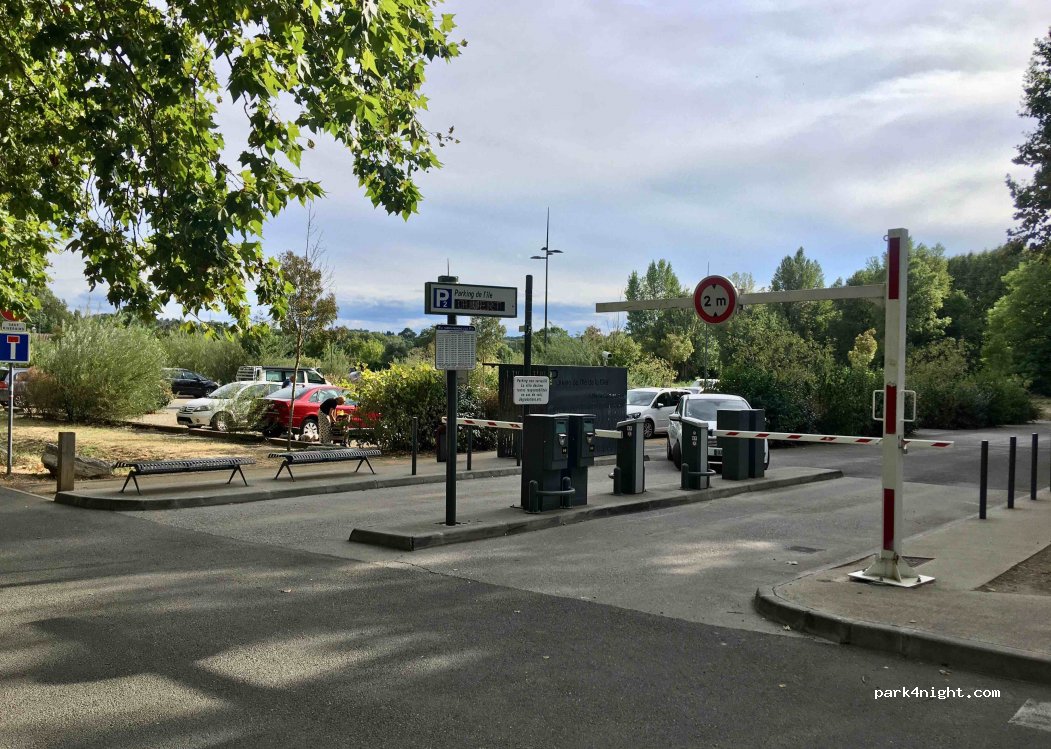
983 480
1011 473
415 432
1032 469
616 481
516 445
470 446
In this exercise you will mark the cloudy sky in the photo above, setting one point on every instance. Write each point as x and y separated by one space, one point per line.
707 133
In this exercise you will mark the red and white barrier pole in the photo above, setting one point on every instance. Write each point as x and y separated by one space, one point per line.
828 439
889 567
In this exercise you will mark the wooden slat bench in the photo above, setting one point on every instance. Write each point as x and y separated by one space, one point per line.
305 457
193 465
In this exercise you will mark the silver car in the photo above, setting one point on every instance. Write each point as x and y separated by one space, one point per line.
233 406
705 407
654 405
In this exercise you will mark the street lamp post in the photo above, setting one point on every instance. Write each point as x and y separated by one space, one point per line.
546 257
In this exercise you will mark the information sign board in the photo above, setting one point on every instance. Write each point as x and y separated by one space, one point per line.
466 299
455 347
531 391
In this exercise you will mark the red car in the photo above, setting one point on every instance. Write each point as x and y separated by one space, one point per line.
305 414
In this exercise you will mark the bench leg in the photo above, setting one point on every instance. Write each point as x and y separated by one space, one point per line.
236 471
284 467
131 477
366 462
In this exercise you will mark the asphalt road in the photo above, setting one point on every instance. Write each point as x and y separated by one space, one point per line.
260 626
120 632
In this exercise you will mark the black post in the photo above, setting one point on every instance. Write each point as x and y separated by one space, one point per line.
470 446
1032 469
983 481
1011 473
527 360
450 430
415 433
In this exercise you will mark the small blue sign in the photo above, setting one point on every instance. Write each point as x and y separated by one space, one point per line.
14 347
443 297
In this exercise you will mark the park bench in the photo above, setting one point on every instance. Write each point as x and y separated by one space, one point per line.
194 465
306 457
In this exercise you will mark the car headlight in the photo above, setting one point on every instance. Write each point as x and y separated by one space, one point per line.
635 415
203 408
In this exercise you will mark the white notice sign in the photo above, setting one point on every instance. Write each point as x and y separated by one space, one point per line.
454 347
531 391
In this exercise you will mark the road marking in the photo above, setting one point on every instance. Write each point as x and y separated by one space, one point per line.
1033 714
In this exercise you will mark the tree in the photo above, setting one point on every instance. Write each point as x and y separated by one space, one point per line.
51 312
977 284
307 309
1018 339
111 135
650 328
807 319
1033 199
491 333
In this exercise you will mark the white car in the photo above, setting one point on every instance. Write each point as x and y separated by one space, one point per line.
705 407
234 406
654 405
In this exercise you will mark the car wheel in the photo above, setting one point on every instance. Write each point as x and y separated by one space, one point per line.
647 430
676 456
310 432
221 422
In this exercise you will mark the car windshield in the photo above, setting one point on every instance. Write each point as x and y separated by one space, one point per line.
707 408
228 391
640 397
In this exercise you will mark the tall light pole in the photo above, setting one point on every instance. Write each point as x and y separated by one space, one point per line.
545 257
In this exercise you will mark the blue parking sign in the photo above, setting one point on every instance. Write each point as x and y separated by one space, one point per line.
14 347
443 297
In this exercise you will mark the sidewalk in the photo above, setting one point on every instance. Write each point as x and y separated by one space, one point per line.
948 621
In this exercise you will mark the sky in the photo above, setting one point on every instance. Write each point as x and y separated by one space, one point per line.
712 134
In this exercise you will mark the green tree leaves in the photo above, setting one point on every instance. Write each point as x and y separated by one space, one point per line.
112 142
1033 199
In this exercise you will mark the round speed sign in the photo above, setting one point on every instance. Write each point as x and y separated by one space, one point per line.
715 299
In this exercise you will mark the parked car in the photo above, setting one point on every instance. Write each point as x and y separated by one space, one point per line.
19 385
304 422
705 406
701 385
654 405
307 375
186 383
237 405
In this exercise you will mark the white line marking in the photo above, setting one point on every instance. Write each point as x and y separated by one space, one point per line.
1033 714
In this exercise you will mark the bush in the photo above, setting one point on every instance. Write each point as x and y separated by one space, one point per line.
788 401
417 389
950 398
98 369
217 356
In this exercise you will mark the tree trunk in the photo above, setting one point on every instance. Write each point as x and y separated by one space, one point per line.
295 382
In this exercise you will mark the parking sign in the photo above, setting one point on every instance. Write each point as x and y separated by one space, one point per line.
14 348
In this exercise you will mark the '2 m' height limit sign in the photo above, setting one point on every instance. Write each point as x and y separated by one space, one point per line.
715 300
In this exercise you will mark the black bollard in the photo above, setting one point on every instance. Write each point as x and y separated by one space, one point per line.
1011 473
983 480
470 446
1032 469
415 431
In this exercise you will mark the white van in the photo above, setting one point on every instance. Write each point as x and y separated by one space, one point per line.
654 405
307 375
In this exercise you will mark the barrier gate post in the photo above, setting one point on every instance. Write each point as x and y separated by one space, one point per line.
889 567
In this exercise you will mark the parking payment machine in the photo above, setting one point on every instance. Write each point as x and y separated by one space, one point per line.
581 455
629 476
694 446
545 455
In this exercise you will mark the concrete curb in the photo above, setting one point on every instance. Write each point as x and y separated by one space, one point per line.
987 658
409 540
